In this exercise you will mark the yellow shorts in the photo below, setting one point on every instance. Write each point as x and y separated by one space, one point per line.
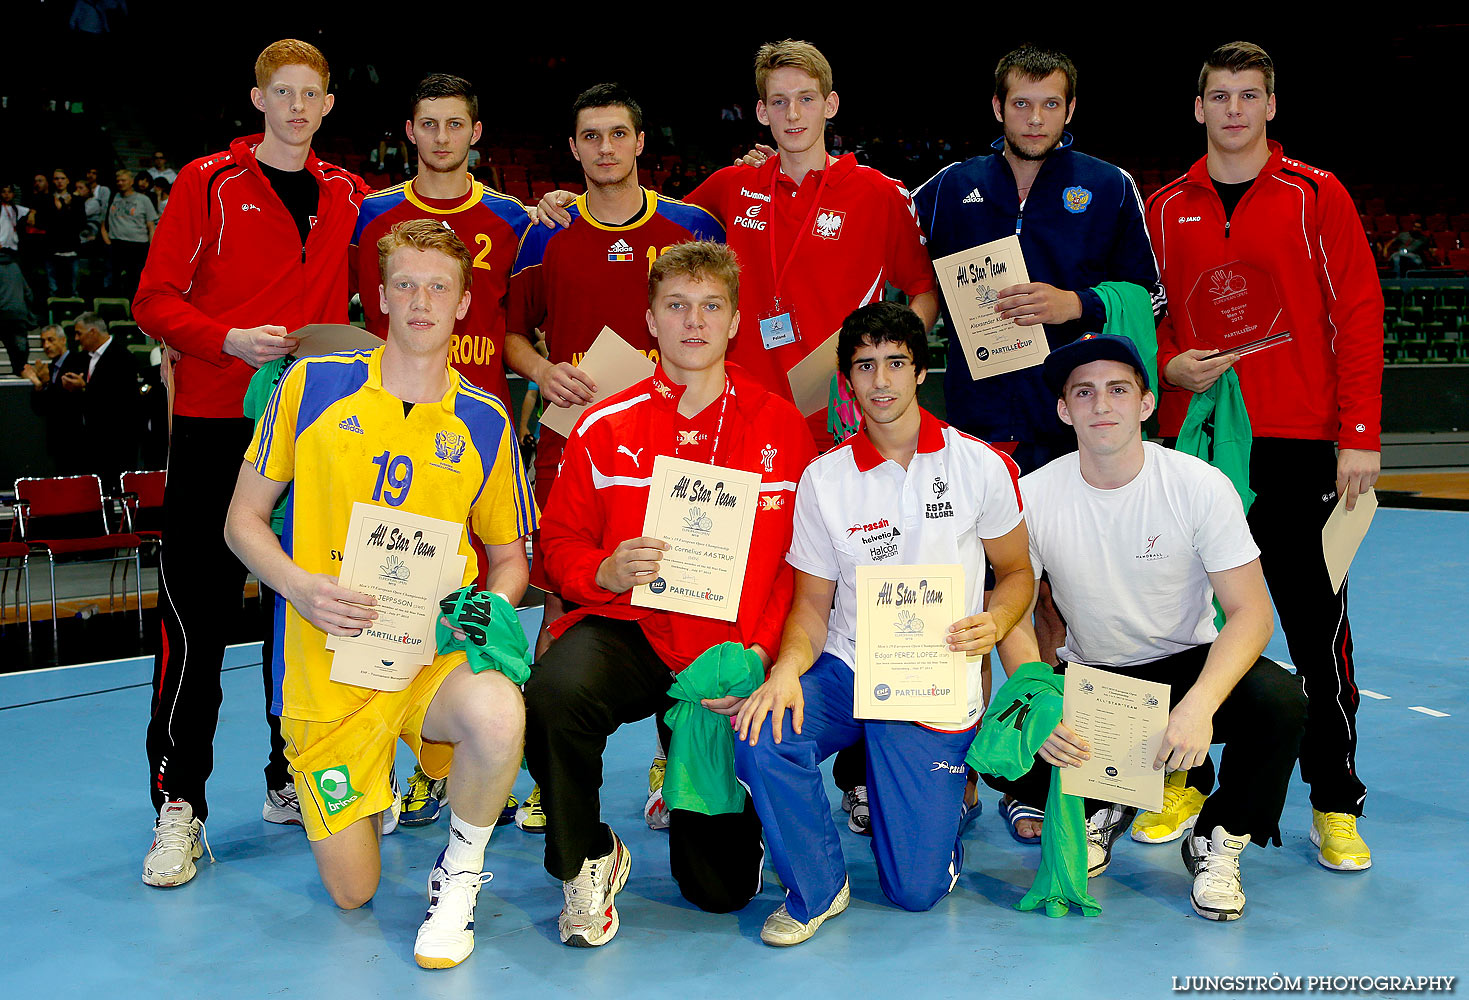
341 768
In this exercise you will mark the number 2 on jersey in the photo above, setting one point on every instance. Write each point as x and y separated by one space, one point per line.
479 258
396 472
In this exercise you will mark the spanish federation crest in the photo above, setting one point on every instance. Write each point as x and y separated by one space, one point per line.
1076 199
449 446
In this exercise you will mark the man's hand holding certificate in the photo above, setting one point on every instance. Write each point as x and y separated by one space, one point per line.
995 334
1109 743
704 515
398 559
909 665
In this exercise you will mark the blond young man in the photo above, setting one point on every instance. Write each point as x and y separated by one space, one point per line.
370 426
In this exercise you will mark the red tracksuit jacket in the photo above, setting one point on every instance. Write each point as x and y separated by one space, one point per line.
1299 224
228 254
601 496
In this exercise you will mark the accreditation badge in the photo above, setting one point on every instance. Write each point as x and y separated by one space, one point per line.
778 327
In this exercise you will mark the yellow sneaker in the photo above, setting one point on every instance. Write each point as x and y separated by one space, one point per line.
1342 848
530 817
1181 806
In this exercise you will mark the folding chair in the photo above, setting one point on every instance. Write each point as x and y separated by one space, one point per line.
142 504
15 556
55 517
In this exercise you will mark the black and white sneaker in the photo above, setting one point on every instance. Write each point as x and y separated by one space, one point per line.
859 813
1213 861
1103 828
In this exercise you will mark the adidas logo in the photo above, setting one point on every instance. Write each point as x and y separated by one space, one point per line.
620 250
973 198
351 424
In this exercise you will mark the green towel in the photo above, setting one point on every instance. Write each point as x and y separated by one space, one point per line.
495 639
1022 715
700 776
1130 315
1217 429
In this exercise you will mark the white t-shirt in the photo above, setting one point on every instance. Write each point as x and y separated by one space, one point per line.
853 507
1129 566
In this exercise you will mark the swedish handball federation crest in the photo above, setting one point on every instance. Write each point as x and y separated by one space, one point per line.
1076 199
449 446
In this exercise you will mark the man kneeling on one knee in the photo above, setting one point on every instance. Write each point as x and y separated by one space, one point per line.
1138 540
864 503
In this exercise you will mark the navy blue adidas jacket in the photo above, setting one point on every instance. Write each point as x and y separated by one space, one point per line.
1082 224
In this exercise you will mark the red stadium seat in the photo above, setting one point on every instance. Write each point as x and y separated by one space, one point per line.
142 503
1444 243
1384 223
61 516
1436 223
15 556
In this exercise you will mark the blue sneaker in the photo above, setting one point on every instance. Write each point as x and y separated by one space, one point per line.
425 799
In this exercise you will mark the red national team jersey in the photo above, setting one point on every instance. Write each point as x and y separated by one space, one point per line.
491 225
860 235
569 283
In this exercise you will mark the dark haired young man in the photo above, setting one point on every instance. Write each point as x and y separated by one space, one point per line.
1315 402
886 474
443 124
571 282
1138 540
613 662
1080 223
253 247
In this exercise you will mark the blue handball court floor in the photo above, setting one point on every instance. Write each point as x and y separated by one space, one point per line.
76 921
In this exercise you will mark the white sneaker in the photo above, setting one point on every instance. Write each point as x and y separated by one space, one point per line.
176 845
446 937
859 813
282 806
391 813
1103 828
783 930
589 918
1213 861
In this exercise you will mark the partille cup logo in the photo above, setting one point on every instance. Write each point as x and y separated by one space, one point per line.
698 522
1224 282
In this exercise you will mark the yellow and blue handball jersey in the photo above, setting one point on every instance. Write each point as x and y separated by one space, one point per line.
333 429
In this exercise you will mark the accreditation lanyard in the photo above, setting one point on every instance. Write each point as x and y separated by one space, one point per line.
718 428
779 274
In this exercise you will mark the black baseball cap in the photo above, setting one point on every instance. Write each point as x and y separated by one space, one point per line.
1061 362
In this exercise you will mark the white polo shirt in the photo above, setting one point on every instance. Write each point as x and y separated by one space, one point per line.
1129 566
853 507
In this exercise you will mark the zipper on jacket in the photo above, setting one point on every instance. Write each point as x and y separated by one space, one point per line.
1226 236
1019 220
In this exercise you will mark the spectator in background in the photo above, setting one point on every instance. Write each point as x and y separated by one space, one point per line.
160 170
61 410
107 384
391 157
61 215
12 213
1408 252
143 184
161 189
95 272
15 311
100 191
128 230
33 238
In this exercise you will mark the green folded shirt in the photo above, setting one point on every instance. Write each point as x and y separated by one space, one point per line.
700 775
1022 715
494 639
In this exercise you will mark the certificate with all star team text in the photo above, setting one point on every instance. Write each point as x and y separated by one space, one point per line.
905 669
706 514
398 558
